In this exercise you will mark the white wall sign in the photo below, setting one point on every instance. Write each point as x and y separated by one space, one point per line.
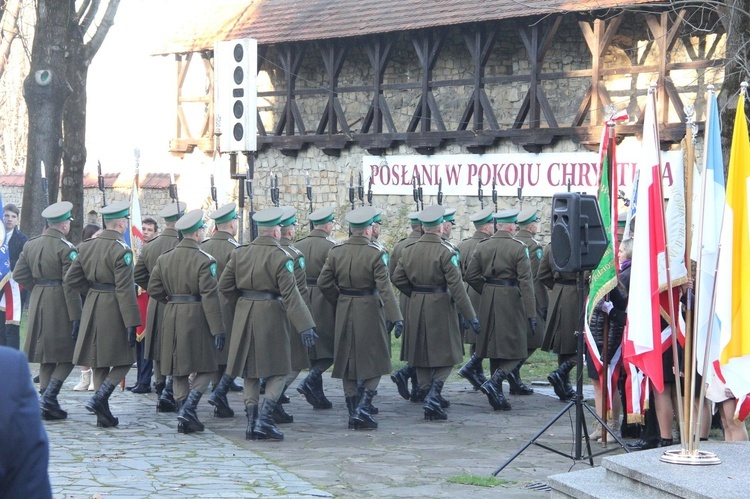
540 175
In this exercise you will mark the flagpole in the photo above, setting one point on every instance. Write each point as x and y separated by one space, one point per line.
690 359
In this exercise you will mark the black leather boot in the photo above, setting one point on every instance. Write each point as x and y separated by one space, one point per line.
360 393
218 398
472 372
283 399
51 409
493 388
557 379
166 402
361 414
517 386
280 416
252 417
307 387
433 410
444 403
235 387
159 387
351 406
323 402
401 379
643 444
569 390
99 405
265 428
188 414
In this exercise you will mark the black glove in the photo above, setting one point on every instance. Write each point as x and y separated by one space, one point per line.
398 328
219 341
475 325
308 337
74 327
532 323
462 322
388 326
131 336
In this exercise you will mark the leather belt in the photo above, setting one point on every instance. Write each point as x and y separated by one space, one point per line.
357 292
493 281
312 282
260 295
183 298
110 288
429 289
52 283
567 282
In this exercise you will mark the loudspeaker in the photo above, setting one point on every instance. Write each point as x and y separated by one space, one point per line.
579 238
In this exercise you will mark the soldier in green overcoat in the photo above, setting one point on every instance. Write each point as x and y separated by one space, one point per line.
152 250
260 285
501 272
484 227
315 248
428 273
103 271
52 307
220 246
184 280
402 376
355 277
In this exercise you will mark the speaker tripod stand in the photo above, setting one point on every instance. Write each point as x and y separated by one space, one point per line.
581 432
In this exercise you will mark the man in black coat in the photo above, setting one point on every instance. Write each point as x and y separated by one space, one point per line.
10 316
24 453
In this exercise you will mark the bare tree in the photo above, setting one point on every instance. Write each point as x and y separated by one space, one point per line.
9 30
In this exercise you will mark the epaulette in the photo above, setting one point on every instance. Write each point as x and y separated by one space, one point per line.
123 244
335 242
283 248
297 251
518 241
467 238
402 239
377 246
412 243
447 244
210 257
70 245
36 237
168 251
236 244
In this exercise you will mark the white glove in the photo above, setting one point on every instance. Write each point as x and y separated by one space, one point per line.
607 307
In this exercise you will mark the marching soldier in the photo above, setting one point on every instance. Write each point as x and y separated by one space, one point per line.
220 246
40 269
300 358
151 251
376 223
184 280
259 284
355 278
484 227
500 271
103 270
527 228
562 323
428 273
402 376
315 249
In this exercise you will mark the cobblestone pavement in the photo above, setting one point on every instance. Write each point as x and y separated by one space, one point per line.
319 457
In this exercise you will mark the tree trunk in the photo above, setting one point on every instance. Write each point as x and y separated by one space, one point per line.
45 90
74 124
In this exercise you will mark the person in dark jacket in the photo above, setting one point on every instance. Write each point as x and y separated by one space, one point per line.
13 295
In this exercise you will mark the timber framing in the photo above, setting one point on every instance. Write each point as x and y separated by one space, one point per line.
536 124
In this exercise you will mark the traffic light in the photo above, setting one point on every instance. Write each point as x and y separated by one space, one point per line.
579 239
235 94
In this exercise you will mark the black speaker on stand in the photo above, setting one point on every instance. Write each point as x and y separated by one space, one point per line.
578 241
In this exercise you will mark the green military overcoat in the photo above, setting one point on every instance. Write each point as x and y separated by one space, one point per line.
52 305
105 262
300 359
188 327
541 295
220 246
403 300
315 248
362 348
562 313
432 328
466 248
504 309
260 333
151 251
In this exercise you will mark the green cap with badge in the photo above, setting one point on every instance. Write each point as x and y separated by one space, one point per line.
120 209
321 216
190 222
58 212
506 216
527 216
377 219
413 217
289 217
269 217
432 215
361 217
481 217
450 215
224 213
170 213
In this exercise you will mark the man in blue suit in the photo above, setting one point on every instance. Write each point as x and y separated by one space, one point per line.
24 449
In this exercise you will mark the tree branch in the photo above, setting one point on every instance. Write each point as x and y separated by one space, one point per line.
82 9
93 45
90 15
